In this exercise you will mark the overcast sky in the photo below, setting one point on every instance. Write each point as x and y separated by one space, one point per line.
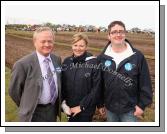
143 15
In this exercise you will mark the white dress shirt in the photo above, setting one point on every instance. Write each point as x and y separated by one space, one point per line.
45 95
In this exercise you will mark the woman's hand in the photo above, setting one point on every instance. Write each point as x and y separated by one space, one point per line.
65 108
75 110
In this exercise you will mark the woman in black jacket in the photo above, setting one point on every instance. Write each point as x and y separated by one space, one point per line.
80 82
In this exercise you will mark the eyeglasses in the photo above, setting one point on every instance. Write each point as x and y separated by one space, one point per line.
115 32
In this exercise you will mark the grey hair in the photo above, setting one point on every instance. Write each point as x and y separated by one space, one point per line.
41 29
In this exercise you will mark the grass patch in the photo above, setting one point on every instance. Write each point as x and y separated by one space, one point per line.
149 113
10 106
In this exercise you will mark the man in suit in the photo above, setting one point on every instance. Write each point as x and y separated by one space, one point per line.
35 84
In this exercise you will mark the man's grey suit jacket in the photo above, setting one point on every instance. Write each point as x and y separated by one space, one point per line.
26 84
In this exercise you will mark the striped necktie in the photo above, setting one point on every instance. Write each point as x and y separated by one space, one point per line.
51 81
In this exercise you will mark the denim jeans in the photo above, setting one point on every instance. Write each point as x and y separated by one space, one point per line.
124 117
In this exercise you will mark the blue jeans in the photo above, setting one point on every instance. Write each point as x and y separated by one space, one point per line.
124 117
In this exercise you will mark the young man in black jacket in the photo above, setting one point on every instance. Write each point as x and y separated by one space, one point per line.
126 81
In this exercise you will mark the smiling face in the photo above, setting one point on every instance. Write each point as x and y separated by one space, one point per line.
44 42
79 48
117 34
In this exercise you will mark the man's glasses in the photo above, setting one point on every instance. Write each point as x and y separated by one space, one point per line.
115 32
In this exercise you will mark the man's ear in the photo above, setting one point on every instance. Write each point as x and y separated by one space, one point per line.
109 37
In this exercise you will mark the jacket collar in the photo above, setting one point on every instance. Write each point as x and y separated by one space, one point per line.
80 59
109 42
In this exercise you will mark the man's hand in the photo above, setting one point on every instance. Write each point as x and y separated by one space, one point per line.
75 110
138 111
102 111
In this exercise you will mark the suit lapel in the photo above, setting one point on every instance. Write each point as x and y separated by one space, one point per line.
36 69
58 71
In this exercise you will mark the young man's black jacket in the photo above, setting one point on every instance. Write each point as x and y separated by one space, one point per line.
81 82
128 85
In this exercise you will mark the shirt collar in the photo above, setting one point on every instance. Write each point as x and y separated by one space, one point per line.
110 52
41 58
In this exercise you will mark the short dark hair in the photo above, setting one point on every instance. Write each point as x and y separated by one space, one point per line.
116 23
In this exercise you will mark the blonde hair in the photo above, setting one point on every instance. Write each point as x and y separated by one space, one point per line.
41 29
80 36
